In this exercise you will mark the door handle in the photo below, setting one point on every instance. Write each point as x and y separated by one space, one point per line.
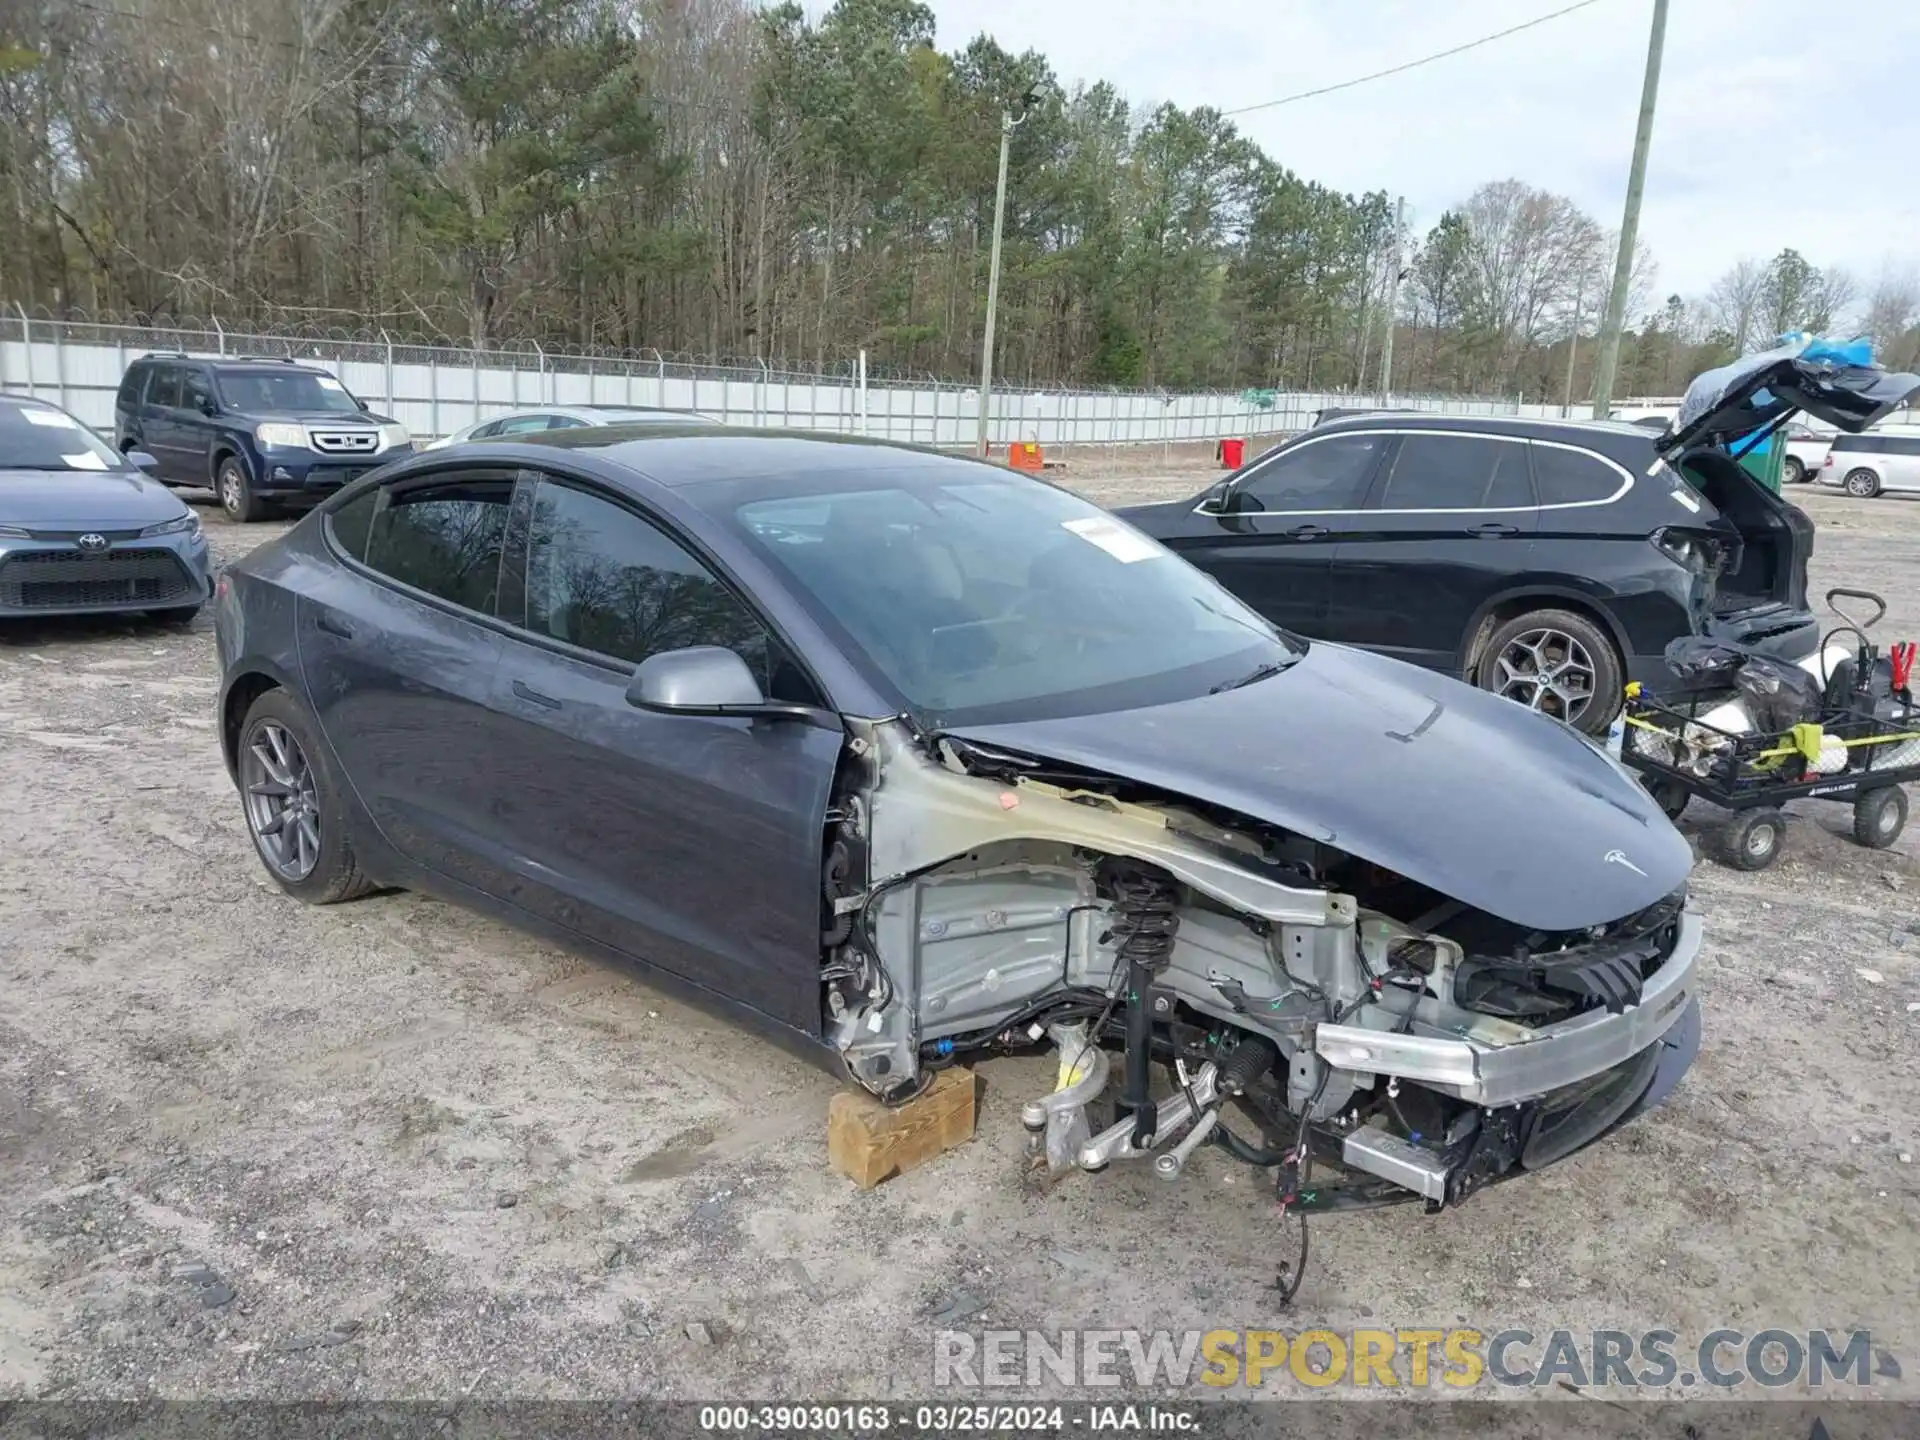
1307 532
326 622
1493 532
527 692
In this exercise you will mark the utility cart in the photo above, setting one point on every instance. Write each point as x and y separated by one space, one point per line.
1859 746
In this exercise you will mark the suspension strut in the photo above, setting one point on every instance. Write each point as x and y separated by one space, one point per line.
1145 915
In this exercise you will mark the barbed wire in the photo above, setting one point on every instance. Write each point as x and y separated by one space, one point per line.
304 338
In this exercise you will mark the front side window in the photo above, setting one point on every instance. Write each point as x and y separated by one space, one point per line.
601 578
1321 475
263 389
979 598
1457 472
194 394
445 539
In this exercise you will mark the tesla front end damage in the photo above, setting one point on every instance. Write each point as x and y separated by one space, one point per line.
1209 976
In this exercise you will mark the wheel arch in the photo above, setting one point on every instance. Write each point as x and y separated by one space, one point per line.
247 685
1501 608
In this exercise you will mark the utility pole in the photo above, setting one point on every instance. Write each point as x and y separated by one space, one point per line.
1393 303
1615 320
1008 120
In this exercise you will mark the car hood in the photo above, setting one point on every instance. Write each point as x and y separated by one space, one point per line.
119 499
1461 791
343 418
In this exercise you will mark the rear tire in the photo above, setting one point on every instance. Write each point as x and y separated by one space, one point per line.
1879 815
1751 840
1793 472
235 490
1557 662
1670 795
295 809
1862 484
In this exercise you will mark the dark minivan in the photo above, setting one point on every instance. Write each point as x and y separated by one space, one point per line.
1547 561
261 434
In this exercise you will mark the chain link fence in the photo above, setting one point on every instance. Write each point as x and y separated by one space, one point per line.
77 361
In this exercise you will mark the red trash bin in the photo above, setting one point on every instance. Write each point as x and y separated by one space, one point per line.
1232 454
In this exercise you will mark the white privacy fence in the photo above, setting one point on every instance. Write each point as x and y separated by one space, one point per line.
434 390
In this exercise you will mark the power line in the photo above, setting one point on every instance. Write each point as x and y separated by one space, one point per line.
1413 64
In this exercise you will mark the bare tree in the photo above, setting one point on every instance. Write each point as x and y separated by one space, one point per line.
1734 301
1893 317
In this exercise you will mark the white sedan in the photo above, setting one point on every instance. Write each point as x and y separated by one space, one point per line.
566 417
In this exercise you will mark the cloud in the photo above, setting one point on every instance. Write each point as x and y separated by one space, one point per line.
1770 130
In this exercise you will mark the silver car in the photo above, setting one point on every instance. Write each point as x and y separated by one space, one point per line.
82 527
1806 453
567 417
1885 458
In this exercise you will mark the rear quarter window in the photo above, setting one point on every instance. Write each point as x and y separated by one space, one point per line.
1573 477
132 382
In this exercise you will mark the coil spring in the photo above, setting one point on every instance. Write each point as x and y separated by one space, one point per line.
1146 912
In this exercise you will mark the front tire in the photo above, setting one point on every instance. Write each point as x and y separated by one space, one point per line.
235 489
295 810
1752 840
1557 662
1862 484
1879 816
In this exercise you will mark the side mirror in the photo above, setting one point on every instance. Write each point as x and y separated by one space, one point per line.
710 680
142 461
207 407
1218 500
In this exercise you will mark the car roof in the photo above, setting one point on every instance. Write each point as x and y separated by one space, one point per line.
680 456
1600 434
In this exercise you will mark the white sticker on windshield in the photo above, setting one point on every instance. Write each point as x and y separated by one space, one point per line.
1687 500
86 460
1116 539
327 382
52 419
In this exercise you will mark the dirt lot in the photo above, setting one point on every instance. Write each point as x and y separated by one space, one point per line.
420 1155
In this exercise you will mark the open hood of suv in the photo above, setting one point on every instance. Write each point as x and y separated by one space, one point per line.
1735 400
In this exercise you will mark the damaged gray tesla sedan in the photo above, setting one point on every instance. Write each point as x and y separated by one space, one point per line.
910 759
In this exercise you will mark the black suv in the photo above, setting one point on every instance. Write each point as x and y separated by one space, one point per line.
1548 561
259 433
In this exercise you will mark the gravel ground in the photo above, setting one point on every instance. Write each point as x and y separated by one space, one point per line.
251 1149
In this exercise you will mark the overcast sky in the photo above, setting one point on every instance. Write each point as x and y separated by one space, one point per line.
1773 128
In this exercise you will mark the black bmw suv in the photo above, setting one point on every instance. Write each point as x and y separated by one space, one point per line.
1548 561
259 433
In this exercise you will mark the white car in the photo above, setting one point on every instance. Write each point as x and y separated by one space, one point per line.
1885 458
567 417
1806 453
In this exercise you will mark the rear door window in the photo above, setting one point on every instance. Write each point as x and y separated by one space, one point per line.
1321 475
524 424
1565 476
165 389
1441 471
445 540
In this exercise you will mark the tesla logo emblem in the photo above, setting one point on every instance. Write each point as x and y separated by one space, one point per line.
92 542
1619 857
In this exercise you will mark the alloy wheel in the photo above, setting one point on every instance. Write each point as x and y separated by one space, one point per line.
230 495
1863 483
283 806
1549 671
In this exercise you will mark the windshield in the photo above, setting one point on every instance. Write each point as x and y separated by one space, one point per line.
268 390
39 437
990 598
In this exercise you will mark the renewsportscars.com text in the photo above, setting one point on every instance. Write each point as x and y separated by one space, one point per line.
1457 1358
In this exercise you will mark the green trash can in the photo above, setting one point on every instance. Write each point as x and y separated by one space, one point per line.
1763 460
